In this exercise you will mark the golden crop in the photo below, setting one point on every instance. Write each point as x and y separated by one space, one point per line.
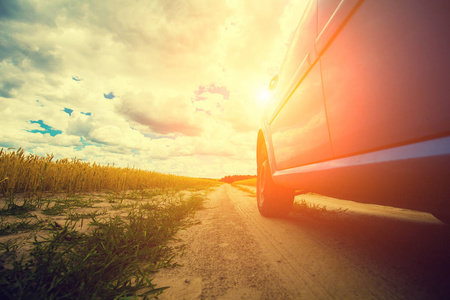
249 182
32 175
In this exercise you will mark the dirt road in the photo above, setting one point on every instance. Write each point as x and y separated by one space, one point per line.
234 253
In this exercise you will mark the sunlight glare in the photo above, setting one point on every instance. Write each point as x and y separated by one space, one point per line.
264 97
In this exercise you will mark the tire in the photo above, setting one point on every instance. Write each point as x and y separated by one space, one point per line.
273 200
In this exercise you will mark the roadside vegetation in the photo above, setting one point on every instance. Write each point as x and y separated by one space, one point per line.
32 176
246 185
74 230
314 210
247 182
234 178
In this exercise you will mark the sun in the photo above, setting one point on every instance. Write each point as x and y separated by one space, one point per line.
264 96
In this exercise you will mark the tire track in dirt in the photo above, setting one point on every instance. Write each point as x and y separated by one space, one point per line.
221 260
235 253
308 266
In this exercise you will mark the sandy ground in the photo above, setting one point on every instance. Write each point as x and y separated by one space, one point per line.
100 204
366 252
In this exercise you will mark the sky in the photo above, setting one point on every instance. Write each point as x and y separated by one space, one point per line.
170 86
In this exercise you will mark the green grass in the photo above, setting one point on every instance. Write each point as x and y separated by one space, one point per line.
58 206
74 216
13 209
314 210
112 260
7 228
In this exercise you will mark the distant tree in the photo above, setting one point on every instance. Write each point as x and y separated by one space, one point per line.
233 178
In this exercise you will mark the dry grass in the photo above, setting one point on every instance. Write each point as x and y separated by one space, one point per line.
249 182
246 185
249 191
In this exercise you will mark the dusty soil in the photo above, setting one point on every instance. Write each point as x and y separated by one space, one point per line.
366 252
102 205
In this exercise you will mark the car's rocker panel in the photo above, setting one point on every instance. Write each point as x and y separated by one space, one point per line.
414 176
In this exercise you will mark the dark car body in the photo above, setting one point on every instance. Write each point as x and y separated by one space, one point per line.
360 108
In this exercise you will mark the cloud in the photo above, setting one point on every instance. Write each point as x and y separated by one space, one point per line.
9 87
11 9
183 77
213 89
80 126
163 116
23 52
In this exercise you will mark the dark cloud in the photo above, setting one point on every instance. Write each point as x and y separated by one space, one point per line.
14 9
9 86
20 20
24 11
17 52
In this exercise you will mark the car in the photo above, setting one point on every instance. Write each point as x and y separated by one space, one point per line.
360 108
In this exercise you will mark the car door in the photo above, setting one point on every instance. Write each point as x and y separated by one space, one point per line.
298 125
385 74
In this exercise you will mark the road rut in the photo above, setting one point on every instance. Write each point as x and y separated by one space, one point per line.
235 253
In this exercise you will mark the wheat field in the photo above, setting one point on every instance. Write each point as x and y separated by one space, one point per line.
32 175
74 230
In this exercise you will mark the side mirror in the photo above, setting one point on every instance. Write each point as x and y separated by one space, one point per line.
273 83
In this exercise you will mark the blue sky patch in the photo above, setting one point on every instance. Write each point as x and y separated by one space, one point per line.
84 144
6 145
109 96
86 113
158 136
46 129
135 152
68 111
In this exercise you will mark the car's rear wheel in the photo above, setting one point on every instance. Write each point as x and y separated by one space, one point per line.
273 200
